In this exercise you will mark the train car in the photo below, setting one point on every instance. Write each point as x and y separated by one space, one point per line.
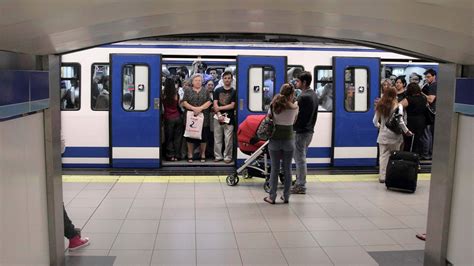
104 128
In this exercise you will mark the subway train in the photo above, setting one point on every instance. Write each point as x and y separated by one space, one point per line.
111 115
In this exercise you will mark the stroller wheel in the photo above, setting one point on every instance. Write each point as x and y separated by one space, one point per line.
232 180
245 174
266 186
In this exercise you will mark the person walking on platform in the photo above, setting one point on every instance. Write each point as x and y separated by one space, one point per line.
304 128
281 145
387 139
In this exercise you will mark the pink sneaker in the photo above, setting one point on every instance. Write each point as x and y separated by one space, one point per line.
77 242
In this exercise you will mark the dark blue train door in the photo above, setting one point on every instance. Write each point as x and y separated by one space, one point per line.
135 110
258 79
356 87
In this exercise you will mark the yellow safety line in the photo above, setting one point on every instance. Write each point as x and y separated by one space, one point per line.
215 179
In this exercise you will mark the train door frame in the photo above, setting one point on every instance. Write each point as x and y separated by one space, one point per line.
344 147
142 151
242 78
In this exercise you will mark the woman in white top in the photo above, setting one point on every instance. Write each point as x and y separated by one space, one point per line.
282 143
387 139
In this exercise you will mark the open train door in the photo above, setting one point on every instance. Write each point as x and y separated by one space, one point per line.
258 79
356 85
135 110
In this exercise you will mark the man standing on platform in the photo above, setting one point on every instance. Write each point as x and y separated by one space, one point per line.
304 128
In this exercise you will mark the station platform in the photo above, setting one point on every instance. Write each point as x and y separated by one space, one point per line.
200 220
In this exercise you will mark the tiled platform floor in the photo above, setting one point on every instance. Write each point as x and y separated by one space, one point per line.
189 221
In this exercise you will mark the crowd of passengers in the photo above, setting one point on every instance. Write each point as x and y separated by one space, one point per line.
413 104
210 94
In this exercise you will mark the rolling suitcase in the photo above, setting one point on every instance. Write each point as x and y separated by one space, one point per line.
402 170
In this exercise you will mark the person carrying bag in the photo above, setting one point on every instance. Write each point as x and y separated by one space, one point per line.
194 125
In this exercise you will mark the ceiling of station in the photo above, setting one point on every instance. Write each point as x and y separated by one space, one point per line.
438 29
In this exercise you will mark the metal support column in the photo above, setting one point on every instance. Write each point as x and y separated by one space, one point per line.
442 171
54 189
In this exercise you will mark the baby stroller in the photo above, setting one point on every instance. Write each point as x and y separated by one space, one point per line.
257 164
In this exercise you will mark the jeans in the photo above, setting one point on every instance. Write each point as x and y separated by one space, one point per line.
281 151
173 137
427 142
226 132
69 228
302 141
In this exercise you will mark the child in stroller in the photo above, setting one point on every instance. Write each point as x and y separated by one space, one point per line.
257 164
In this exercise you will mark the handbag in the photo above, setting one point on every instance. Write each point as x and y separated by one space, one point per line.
393 123
194 125
430 115
266 128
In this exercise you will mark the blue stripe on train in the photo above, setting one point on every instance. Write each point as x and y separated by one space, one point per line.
318 152
136 163
86 152
355 162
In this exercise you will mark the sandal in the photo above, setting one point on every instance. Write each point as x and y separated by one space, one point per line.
268 200
190 159
284 200
203 160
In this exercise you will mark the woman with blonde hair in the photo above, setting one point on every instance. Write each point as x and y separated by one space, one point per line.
197 100
387 139
284 111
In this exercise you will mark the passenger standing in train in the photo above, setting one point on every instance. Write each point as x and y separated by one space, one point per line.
172 119
282 144
215 76
400 84
304 128
197 100
387 139
429 91
209 85
224 106
415 106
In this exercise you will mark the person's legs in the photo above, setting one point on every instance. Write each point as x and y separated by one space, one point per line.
69 228
229 142
275 157
177 137
425 143
302 142
190 151
287 157
169 152
73 234
218 135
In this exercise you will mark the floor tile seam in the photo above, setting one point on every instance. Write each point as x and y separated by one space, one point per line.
273 234
123 220
342 226
159 223
381 230
232 224
97 207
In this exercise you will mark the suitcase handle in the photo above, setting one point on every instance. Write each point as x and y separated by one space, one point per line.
412 140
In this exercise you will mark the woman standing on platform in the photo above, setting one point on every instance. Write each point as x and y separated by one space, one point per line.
415 106
284 111
197 100
387 139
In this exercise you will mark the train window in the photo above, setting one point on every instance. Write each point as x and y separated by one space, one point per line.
135 96
261 88
292 72
323 84
70 87
356 86
100 91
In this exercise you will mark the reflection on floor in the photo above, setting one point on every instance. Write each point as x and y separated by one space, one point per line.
188 220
